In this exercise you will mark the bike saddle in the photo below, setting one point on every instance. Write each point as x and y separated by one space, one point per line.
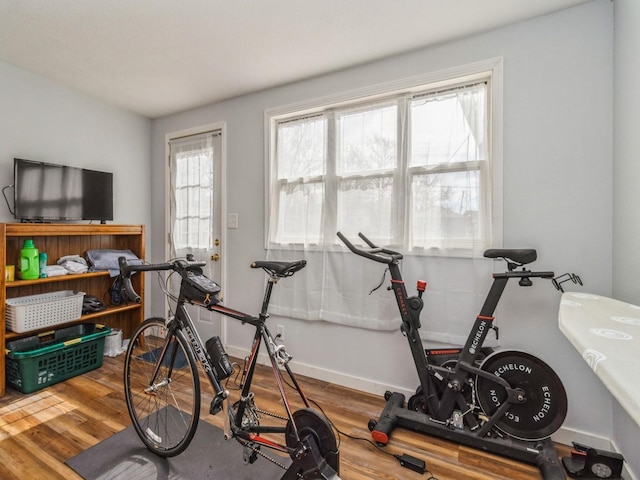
521 256
279 269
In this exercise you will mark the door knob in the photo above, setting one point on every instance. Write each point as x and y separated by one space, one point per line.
215 257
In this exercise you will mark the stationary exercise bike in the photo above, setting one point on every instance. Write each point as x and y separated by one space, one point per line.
506 402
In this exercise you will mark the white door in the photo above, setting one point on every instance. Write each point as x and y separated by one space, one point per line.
195 162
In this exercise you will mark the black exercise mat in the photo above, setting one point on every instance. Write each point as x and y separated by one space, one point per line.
152 357
209 456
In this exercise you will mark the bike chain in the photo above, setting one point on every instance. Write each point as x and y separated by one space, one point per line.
270 414
257 451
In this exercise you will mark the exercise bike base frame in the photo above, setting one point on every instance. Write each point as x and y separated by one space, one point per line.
541 454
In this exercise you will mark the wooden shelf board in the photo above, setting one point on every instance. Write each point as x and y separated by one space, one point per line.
62 229
60 278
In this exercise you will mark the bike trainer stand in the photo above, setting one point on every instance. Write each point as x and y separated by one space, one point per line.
540 453
313 464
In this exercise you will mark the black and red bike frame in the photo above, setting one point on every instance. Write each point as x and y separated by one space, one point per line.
248 433
262 334
410 309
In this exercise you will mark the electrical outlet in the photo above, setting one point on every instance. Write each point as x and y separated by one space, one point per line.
280 331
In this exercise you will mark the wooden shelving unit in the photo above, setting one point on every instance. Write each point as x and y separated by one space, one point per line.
58 240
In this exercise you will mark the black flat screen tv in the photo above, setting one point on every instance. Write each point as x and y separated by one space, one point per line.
49 192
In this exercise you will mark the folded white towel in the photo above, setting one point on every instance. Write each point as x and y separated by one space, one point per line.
75 267
55 271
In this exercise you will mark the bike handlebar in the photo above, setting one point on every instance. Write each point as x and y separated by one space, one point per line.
375 253
126 269
384 255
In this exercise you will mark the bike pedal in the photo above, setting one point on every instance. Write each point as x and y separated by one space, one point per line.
250 453
216 405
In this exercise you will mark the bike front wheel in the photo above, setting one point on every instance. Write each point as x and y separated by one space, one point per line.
164 409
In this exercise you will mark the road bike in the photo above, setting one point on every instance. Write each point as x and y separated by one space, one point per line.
162 383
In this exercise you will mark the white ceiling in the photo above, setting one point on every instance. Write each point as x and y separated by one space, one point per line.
157 57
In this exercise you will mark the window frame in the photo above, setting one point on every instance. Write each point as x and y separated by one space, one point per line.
377 94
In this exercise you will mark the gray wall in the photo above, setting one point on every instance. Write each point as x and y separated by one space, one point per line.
626 195
44 121
558 102
560 167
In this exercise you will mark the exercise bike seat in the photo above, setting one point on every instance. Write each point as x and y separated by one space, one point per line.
521 256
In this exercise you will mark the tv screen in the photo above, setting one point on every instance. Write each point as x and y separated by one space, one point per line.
97 198
45 191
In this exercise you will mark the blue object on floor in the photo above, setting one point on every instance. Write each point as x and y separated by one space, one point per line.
152 356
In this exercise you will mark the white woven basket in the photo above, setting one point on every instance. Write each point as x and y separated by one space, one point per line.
33 312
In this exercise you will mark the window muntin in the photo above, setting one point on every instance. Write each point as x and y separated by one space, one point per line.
412 169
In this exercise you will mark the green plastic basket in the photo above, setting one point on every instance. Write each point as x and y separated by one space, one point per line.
35 362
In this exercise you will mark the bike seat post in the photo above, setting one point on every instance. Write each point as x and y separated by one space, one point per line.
273 279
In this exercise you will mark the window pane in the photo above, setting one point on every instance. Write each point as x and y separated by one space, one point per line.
366 205
449 128
368 140
194 198
444 206
180 232
301 148
299 218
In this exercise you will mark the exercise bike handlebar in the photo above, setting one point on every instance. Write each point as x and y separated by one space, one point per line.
375 253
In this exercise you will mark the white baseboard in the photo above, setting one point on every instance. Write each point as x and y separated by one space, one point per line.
356 383
564 435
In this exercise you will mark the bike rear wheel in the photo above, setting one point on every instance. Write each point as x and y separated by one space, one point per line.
165 411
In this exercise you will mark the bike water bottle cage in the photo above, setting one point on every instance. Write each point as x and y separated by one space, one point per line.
514 257
279 269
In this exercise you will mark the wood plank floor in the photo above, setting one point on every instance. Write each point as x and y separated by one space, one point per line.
38 432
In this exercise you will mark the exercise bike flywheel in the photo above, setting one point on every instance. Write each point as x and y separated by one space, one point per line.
544 406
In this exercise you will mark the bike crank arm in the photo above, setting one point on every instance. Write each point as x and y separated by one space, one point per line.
515 396
227 419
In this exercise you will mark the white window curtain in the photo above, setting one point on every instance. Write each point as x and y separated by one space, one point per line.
192 196
192 193
412 172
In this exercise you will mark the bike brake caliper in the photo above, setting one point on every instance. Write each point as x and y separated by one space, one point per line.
280 352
